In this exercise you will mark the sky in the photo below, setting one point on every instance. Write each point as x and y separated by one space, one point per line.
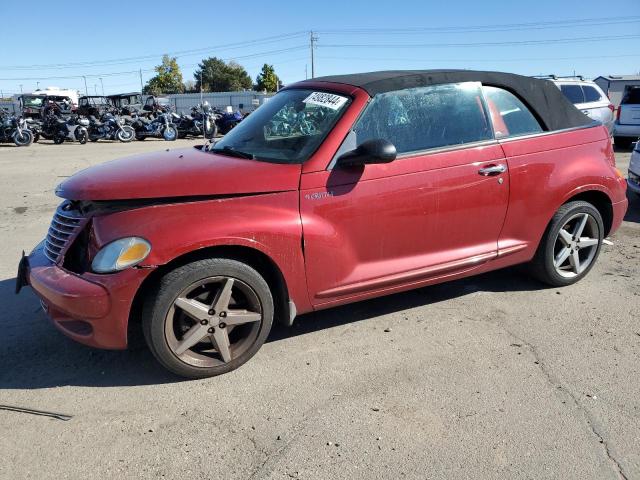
110 43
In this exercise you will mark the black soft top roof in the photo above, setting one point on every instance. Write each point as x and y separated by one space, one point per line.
542 96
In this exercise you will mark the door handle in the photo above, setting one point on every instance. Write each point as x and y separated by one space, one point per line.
492 170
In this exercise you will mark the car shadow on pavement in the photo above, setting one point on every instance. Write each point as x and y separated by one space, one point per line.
510 279
34 355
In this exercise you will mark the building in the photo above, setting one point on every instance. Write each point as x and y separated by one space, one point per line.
615 86
244 101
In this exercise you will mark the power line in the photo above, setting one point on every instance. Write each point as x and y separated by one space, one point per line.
453 60
481 44
587 22
112 74
181 53
344 31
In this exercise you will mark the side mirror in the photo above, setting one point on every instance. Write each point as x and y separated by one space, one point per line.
371 151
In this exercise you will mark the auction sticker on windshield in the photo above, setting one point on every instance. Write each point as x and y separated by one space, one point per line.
323 99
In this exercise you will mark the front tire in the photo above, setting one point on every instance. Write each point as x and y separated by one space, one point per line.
23 138
125 134
570 246
208 317
82 136
170 133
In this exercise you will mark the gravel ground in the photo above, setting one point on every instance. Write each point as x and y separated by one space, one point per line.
489 377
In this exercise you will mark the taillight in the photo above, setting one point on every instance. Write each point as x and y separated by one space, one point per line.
618 113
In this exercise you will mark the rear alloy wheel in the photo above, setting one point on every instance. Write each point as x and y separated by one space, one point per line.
570 246
208 317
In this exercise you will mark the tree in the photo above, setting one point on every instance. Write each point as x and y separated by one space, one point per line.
167 80
218 76
267 79
190 86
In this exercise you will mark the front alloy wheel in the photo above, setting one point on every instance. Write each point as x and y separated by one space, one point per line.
209 317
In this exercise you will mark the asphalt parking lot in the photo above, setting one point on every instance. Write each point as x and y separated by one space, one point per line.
494 376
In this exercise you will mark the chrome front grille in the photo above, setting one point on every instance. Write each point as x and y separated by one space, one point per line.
63 230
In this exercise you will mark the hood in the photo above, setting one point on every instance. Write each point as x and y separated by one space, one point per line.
187 172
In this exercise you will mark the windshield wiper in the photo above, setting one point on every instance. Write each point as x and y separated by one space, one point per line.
232 152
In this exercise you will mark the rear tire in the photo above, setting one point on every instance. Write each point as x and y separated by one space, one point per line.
623 142
566 254
58 139
167 325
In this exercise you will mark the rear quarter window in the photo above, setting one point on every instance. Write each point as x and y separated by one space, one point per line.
510 116
591 94
573 93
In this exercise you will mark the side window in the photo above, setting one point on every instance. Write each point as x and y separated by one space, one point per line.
573 93
510 116
591 94
421 118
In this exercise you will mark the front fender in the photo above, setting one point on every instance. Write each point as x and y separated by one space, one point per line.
269 223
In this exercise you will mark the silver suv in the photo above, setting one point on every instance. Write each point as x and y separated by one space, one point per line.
588 97
627 127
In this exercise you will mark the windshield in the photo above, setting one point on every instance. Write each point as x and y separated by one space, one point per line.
32 101
289 128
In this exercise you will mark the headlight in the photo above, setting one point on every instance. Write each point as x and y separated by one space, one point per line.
121 254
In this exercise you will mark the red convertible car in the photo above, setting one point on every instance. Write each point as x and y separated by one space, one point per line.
338 189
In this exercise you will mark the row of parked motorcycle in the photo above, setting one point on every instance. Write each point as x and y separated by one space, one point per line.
123 125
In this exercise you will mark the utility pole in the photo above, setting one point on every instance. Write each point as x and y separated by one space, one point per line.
37 85
306 75
20 89
102 85
141 86
86 90
201 86
312 45
95 88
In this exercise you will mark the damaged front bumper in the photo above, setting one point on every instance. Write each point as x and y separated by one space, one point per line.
90 308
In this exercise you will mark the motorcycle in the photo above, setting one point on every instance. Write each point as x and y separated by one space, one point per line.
159 127
227 120
200 123
110 127
60 129
13 129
